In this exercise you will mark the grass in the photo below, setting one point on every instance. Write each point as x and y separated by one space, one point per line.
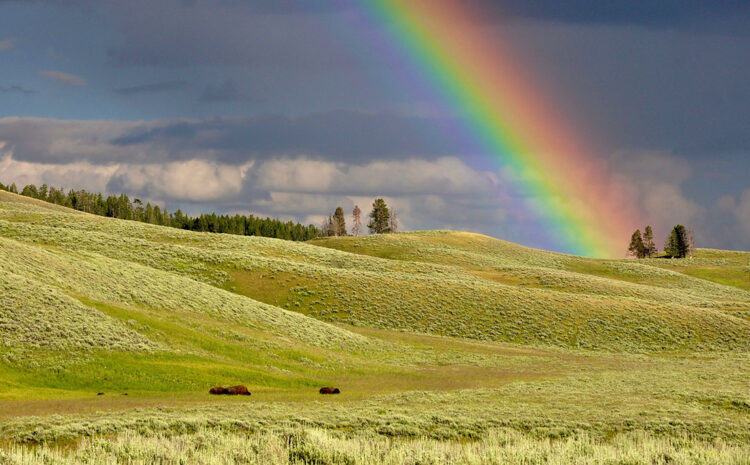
447 347
316 446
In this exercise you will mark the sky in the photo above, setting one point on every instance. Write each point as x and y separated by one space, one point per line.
286 109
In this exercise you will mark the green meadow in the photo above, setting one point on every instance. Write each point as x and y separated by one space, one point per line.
448 347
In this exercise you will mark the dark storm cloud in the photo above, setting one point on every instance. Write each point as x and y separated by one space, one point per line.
164 86
342 135
227 91
662 13
170 33
334 136
15 89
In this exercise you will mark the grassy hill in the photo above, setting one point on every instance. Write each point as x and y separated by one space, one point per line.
450 284
440 333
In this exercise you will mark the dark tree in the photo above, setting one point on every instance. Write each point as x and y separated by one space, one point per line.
677 245
648 242
30 191
339 222
636 247
122 207
379 217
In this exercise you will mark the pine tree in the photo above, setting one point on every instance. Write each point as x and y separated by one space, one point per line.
339 222
357 217
30 191
121 206
648 242
636 247
670 246
379 217
677 242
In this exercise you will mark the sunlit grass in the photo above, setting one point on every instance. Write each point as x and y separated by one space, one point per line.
447 347
316 446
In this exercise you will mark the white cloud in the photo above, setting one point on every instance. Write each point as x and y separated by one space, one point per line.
192 180
444 193
64 78
170 162
447 176
76 175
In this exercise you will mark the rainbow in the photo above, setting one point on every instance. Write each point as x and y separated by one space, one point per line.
572 197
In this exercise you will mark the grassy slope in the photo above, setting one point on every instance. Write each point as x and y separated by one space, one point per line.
713 279
140 308
450 284
164 314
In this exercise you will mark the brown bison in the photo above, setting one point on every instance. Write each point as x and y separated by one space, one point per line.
231 391
238 391
329 390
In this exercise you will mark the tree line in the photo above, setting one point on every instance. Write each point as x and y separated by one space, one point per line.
679 244
122 207
383 220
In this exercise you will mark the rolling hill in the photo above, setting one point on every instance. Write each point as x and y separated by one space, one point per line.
436 331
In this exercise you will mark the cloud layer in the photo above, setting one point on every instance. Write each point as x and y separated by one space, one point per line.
354 137
200 165
164 86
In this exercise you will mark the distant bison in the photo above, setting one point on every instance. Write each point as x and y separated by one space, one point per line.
329 390
231 391
238 391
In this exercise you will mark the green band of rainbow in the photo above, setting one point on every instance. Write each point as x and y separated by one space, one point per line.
575 199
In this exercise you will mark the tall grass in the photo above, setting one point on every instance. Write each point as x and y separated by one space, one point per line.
319 447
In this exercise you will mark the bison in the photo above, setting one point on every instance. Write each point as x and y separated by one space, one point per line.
238 391
231 391
329 390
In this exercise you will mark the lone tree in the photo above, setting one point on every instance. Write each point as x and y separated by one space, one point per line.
691 241
648 242
677 245
379 217
357 223
636 247
339 223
